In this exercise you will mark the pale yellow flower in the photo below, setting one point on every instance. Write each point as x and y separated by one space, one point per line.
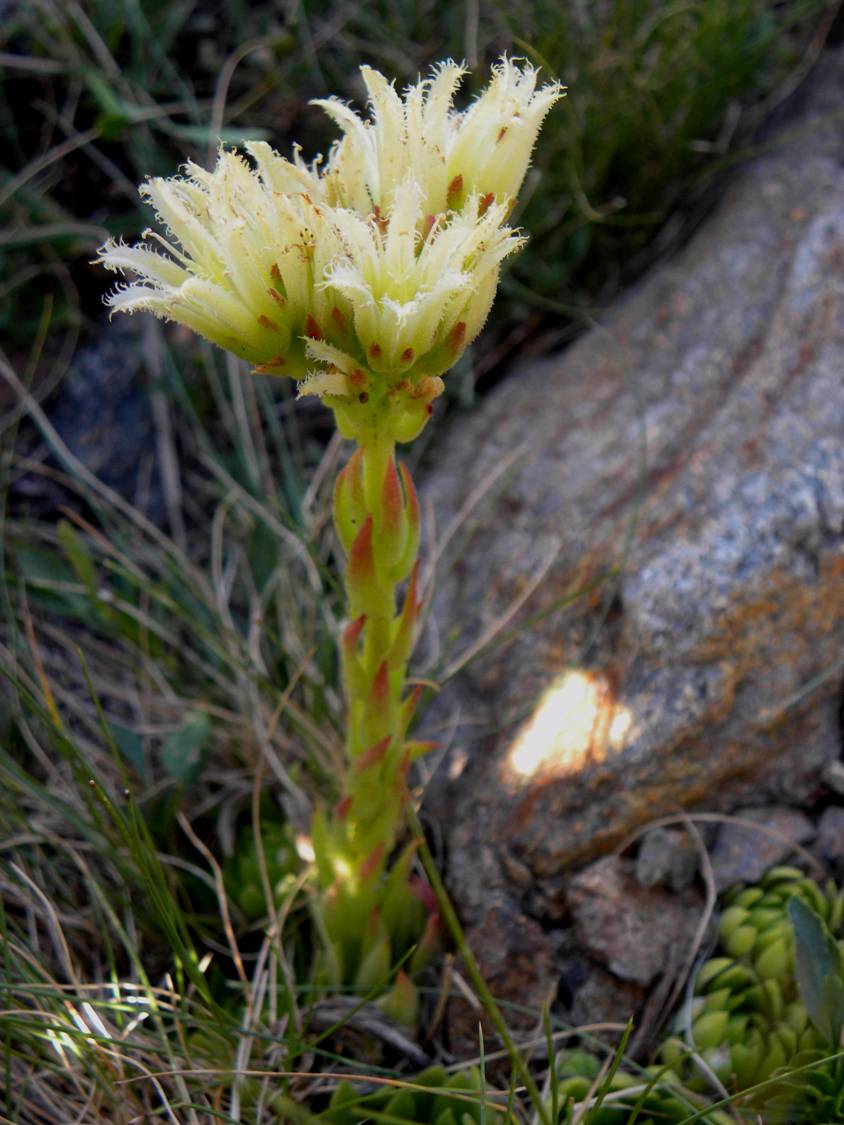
484 150
243 260
367 279
410 295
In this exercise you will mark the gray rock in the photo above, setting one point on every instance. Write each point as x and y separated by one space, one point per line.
833 777
103 414
603 998
829 842
515 957
679 482
631 930
667 857
742 854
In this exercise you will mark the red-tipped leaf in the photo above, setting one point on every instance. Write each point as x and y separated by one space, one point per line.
380 694
351 634
361 575
373 755
372 862
403 642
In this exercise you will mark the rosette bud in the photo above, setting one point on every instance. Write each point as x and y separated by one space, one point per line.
415 409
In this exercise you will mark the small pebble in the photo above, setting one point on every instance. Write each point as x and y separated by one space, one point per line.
742 853
829 842
667 858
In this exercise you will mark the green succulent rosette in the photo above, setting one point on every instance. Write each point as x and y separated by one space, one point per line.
242 873
430 1098
653 1096
749 1023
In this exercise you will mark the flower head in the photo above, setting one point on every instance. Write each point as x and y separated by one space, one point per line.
241 263
366 279
452 155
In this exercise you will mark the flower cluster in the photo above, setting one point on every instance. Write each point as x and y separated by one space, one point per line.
364 278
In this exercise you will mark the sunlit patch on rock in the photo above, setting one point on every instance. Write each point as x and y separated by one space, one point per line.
577 720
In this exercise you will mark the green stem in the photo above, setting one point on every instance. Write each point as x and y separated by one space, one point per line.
377 455
376 515
383 517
